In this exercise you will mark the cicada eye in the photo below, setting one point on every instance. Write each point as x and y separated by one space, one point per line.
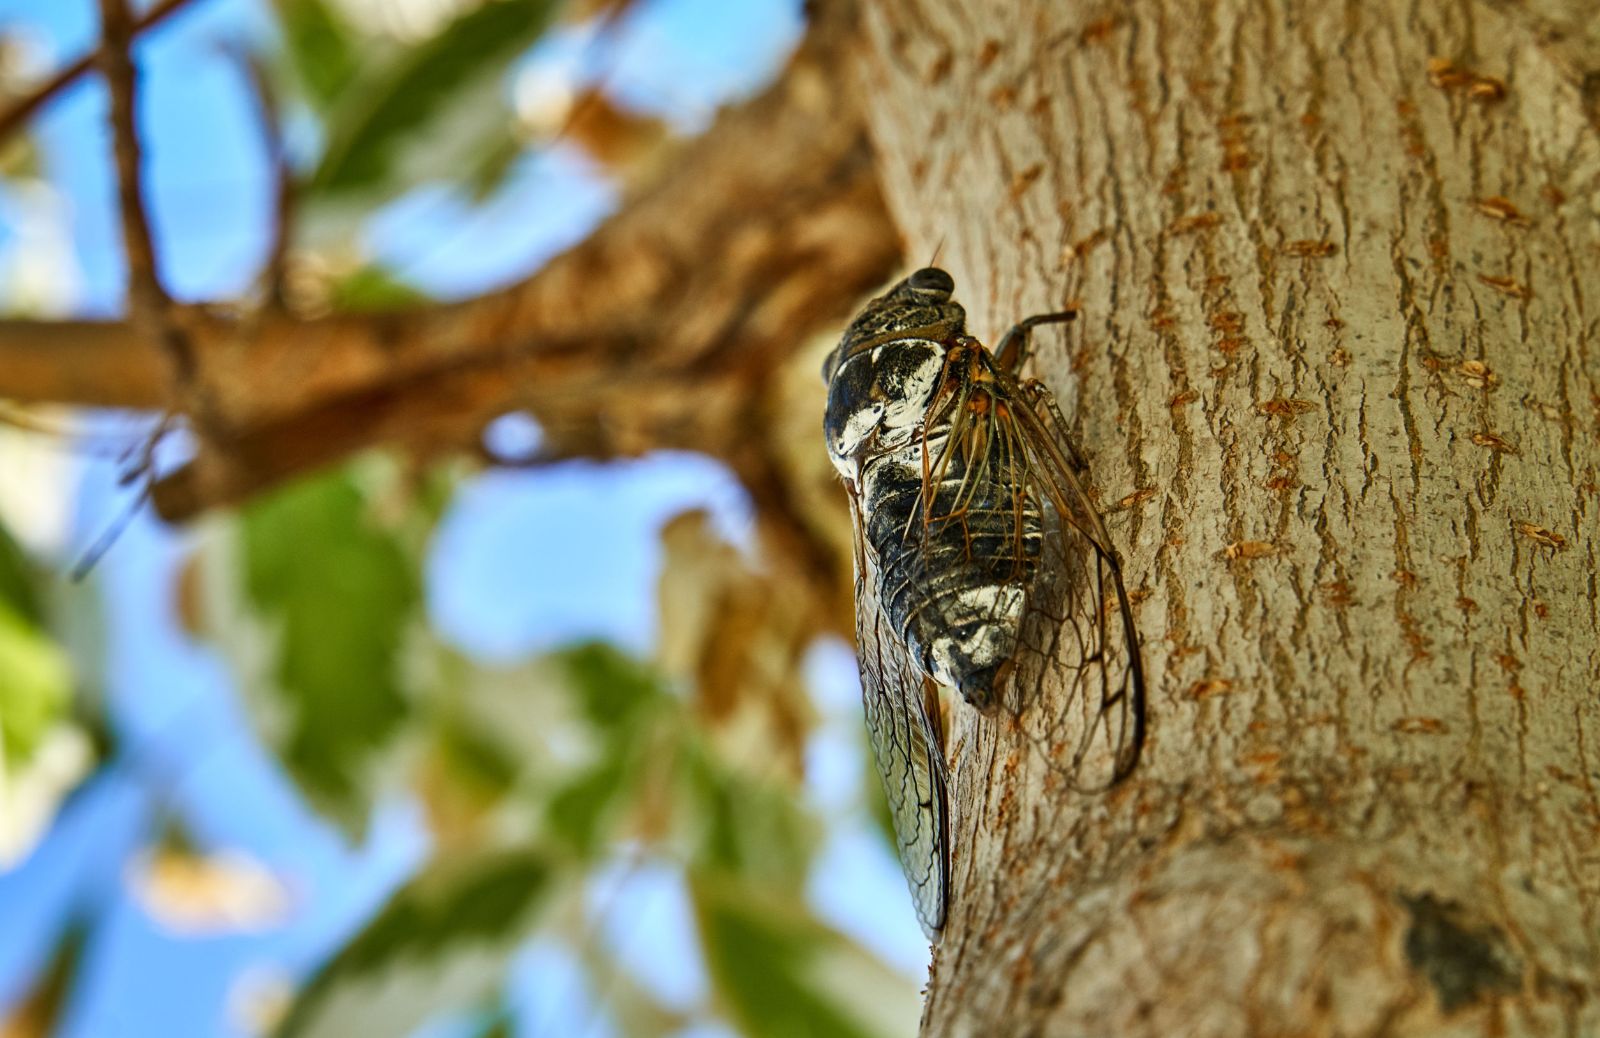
931 281
830 364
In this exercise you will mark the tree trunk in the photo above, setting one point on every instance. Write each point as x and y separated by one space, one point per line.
1335 377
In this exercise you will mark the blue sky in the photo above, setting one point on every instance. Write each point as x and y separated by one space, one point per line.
186 748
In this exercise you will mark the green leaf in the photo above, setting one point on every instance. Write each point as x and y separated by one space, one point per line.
476 758
750 830
19 580
488 169
441 942
578 812
321 49
619 696
341 592
430 95
779 973
479 901
614 689
374 287
35 686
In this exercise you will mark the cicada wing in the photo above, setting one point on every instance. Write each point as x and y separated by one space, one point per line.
903 727
1081 636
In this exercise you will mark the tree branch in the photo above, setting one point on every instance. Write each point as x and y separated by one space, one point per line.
92 363
660 330
275 269
147 300
146 297
18 115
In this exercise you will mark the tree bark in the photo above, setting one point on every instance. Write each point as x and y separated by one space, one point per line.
1336 379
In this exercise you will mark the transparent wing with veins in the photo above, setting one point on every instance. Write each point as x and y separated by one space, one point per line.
903 727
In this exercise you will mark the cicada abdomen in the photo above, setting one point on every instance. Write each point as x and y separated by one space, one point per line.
975 545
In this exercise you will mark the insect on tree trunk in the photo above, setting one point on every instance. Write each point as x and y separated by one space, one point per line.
1336 381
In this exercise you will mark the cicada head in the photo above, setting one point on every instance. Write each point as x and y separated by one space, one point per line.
917 306
886 368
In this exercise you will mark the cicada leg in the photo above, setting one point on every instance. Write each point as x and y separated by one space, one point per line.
1039 395
1012 352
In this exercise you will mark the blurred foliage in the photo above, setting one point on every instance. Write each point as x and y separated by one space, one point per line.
435 106
44 753
541 780
395 116
340 615
779 972
36 703
320 50
19 157
441 941
18 580
35 685
536 779
372 287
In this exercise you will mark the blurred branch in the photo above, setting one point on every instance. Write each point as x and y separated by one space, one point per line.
151 308
275 269
147 300
94 363
657 331
16 117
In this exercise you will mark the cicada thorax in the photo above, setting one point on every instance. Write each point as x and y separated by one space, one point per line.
956 532
885 371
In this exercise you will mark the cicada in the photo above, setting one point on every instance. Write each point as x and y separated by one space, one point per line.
981 563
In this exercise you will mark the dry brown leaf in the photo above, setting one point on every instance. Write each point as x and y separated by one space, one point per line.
738 638
224 892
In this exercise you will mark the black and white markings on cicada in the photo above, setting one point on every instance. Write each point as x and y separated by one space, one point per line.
981 564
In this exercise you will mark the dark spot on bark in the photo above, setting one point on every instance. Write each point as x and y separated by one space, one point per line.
1463 962
1591 98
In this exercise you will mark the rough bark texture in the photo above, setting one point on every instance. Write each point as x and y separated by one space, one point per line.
1338 383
